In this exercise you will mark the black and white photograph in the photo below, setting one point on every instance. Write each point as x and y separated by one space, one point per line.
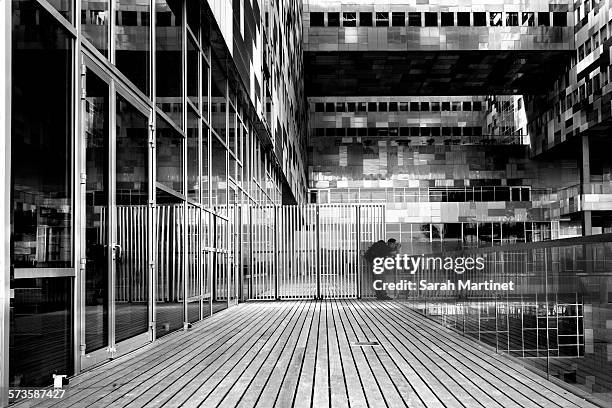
305 203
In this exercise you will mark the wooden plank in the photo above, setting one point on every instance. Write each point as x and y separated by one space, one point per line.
286 393
353 383
305 385
337 385
320 391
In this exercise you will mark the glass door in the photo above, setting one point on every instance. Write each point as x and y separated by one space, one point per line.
115 301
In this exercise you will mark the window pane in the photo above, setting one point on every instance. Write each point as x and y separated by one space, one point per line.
382 19
193 139
218 99
463 19
168 54
431 19
169 152
480 19
349 19
447 19
317 19
41 143
544 19
219 175
398 19
193 56
527 19
205 187
96 138
333 19
365 19
169 309
132 35
205 91
414 19
63 6
495 19
132 267
40 311
94 23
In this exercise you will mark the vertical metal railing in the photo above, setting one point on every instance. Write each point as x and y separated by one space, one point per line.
311 251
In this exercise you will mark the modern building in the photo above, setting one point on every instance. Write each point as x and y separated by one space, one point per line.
167 159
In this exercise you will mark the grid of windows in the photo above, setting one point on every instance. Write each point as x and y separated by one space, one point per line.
402 106
443 19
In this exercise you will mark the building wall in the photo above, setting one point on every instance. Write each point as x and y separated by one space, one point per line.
500 31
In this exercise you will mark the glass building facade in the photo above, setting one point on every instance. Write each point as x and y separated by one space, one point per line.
141 135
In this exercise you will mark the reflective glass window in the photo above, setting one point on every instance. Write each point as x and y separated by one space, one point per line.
132 35
94 23
169 153
168 37
41 142
349 19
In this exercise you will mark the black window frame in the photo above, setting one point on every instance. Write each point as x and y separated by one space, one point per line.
333 19
414 17
317 17
382 19
365 19
431 19
447 19
544 19
463 19
398 19
479 19
347 18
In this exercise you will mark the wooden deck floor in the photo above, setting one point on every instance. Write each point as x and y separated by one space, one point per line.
314 354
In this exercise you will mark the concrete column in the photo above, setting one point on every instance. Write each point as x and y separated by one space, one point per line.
585 183
5 196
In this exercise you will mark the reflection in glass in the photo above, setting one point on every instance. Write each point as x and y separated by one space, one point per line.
94 23
170 244
194 257
41 134
219 175
193 139
169 151
205 167
96 135
132 277
193 56
41 331
218 99
220 265
555 318
205 78
63 6
132 34
40 311
168 53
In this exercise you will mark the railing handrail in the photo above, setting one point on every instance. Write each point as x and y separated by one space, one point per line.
522 246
